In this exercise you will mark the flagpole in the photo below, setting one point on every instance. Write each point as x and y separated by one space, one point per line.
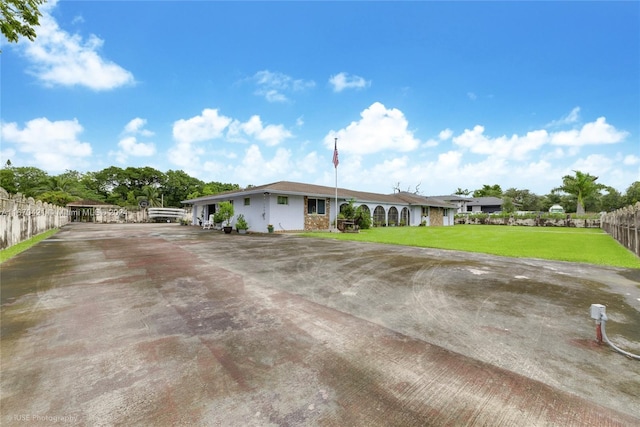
335 164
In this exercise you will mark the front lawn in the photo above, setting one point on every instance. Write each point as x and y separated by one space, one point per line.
588 245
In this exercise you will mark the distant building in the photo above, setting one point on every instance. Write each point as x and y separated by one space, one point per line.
473 204
556 209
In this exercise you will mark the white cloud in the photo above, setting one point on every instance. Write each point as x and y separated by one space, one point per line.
630 160
516 147
136 126
598 132
472 96
60 58
342 81
274 85
378 129
594 164
253 128
208 125
129 146
255 168
445 134
570 118
51 146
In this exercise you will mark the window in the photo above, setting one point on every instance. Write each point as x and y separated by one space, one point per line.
283 200
247 201
316 206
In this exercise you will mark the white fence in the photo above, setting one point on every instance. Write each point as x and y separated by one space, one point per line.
22 218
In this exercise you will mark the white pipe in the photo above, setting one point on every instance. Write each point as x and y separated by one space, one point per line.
606 339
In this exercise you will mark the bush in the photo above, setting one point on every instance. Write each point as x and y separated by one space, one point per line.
241 223
226 211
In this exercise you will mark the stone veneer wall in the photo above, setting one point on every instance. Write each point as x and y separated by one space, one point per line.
314 222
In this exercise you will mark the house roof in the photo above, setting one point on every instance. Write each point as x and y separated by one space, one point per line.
298 188
485 201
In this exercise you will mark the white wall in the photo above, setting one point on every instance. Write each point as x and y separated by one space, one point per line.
286 217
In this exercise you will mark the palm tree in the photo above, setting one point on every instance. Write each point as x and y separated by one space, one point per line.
151 195
58 183
461 192
582 185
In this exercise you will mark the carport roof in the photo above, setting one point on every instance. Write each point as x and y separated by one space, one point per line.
298 188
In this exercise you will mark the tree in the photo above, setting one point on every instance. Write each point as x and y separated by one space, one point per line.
180 186
226 212
488 191
507 205
58 198
8 178
524 200
27 180
611 201
632 195
151 195
582 185
461 192
18 18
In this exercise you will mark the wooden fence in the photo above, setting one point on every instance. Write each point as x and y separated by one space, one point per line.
624 226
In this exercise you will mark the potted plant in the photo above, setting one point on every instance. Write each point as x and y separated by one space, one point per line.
241 224
270 228
184 221
226 213
218 219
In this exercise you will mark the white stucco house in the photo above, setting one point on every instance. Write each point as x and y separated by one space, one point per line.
294 206
473 205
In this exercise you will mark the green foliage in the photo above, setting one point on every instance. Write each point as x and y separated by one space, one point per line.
218 218
488 191
58 198
226 211
241 223
363 218
633 194
19 18
26 180
348 211
582 185
507 205
151 195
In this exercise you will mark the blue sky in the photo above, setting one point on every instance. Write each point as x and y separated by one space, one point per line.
433 95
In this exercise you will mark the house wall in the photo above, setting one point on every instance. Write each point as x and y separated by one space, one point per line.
287 217
264 210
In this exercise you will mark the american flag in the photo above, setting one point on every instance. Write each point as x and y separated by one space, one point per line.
335 154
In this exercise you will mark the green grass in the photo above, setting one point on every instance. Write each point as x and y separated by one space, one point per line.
588 245
14 250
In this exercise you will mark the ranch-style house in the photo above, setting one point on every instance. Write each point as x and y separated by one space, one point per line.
294 206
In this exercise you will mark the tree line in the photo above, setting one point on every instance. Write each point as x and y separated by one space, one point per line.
127 187
113 185
578 193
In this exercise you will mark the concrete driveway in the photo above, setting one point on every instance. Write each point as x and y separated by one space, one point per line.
159 324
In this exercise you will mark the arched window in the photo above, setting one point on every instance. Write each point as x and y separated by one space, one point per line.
379 217
404 216
393 216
